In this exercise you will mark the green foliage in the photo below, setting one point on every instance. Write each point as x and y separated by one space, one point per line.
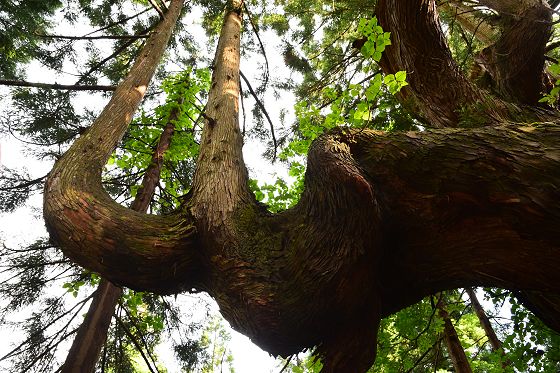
20 24
377 39
184 92
531 346
551 97
15 188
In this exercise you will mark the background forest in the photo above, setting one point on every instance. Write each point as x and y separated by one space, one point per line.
306 68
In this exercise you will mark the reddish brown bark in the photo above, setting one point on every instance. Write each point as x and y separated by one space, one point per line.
454 347
515 61
484 321
437 89
92 333
440 93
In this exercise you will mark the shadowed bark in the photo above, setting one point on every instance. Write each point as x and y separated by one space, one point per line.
384 219
515 62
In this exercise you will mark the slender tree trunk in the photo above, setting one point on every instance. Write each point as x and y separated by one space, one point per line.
87 345
454 348
487 326
91 336
484 321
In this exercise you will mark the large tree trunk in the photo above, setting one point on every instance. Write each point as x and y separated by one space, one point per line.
384 220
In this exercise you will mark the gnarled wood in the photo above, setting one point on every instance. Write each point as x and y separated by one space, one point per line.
126 247
384 220
515 61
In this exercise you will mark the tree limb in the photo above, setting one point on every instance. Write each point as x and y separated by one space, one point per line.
70 87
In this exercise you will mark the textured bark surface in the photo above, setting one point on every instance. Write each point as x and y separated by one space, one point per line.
437 89
440 93
466 207
515 61
88 225
384 220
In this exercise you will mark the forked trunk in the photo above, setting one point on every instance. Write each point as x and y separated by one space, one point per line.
384 219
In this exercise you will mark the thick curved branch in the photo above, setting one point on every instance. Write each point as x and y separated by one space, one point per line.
437 88
438 91
126 247
516 60
466 207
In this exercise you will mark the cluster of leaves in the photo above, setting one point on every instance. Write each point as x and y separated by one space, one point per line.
182 110
530 345
412 340
552 97
355 105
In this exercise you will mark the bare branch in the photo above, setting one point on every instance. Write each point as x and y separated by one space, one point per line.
70 87
263 109
111 37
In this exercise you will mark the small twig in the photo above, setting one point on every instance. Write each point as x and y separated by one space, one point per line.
267 71
261 106
157 8
118 22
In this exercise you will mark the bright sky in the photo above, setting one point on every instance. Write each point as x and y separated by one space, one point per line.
21 226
